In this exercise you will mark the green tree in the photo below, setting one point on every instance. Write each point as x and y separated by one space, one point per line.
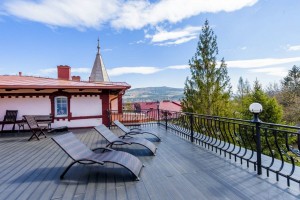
289 97
272 111
243 89
208 89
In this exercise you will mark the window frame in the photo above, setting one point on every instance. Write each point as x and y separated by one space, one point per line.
56 115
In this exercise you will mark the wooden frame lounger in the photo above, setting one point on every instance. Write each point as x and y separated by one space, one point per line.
133 131
122 140
80 153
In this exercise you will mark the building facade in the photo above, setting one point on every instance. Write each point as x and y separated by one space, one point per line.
71 102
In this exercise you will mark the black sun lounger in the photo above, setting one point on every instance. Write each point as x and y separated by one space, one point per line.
80 153
133 131
115 140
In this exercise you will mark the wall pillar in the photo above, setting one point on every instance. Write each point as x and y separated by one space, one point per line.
105 108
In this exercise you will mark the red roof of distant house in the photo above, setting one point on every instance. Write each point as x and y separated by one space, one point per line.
31 82
163 105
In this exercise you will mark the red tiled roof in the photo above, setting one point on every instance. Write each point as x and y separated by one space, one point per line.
31 82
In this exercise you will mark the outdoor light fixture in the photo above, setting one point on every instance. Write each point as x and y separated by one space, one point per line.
157 104
255 108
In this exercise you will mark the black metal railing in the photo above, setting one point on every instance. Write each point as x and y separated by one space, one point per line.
267 147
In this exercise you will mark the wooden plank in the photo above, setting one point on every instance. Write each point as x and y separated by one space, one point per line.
180 170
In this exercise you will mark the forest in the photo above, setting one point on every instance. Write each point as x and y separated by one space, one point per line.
209 91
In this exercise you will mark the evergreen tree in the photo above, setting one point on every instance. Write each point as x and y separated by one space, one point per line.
208 90
272 111
289 96
292 81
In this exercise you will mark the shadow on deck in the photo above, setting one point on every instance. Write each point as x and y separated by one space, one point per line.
180 170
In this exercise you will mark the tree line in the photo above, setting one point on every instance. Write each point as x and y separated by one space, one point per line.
208 89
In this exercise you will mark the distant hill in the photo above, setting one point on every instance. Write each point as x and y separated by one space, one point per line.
153 94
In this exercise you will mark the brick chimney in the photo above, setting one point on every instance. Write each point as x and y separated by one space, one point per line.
75 78
64 72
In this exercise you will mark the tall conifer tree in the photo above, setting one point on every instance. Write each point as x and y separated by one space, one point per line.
208 89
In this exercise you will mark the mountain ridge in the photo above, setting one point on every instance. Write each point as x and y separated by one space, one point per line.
147 94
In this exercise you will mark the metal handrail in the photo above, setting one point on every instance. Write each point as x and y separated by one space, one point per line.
268 147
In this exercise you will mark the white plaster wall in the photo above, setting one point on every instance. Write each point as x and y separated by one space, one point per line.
80 107
86 106
77 123
25 106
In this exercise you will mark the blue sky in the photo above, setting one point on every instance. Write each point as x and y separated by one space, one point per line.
148 43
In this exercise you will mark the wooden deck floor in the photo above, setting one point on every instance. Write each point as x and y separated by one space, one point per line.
180 170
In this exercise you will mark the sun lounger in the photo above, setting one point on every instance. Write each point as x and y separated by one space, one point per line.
80 153
115 140
35 128
133 131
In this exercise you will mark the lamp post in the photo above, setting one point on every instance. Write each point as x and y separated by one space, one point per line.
257 108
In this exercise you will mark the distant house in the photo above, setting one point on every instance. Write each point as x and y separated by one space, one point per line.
71 102
163 105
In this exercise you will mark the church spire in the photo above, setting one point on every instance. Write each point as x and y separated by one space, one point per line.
98 47
99 73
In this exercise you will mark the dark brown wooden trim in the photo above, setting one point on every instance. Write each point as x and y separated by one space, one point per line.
105 108
2 95
86 117
120 103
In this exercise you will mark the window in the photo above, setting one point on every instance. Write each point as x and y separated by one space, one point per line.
61 106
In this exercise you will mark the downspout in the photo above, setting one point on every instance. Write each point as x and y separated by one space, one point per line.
122 92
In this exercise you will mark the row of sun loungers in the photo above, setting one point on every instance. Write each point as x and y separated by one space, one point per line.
80 153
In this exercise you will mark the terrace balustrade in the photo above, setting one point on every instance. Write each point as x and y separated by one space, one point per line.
277 150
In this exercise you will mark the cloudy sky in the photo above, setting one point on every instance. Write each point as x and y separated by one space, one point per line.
148 43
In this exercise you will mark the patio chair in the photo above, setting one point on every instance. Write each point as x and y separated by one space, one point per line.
122 140
134 131
35 128
81 154
10 118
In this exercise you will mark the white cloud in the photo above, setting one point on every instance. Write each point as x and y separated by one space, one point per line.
243 48
256 63
142 70
294 48
73 69
65 13
48 71
132 70
81 70
137 14
179 67
273 71
174 37
129 14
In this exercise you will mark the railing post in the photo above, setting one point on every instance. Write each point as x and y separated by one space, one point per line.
192 127
257 108
258 143
158 120
166 119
